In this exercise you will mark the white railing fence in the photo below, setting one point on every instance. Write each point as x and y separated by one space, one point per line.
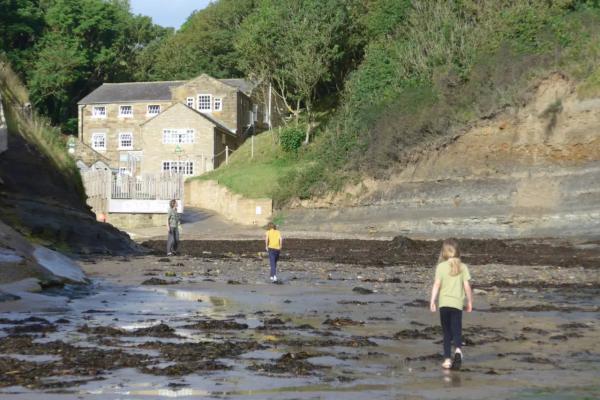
102 186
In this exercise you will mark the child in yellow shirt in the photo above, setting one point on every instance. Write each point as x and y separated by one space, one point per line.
452 284
273 244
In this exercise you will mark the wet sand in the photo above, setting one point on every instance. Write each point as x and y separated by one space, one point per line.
209 325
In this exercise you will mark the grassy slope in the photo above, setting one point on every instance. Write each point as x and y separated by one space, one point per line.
257 176
35 128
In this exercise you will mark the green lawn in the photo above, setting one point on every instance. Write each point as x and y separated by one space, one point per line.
258 176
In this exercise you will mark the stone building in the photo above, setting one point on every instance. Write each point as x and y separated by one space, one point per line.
178 126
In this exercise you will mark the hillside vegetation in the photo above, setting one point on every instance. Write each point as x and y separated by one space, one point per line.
427 71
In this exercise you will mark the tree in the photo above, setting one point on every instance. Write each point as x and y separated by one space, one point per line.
204 44
59 67
85 43
296 46
21 24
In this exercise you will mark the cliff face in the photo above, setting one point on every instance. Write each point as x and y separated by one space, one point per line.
40 200
532 172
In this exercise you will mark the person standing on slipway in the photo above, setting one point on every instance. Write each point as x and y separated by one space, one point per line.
173 225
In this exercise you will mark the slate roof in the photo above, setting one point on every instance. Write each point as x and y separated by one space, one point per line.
244 85
215 121
131 92
148 91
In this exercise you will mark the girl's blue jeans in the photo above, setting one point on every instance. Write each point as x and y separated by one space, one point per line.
451 319
273 258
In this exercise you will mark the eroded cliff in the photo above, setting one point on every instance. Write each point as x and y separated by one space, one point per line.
527 172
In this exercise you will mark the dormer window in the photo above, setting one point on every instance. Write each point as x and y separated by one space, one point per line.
153 109
126 111
204 102
99 112
218 104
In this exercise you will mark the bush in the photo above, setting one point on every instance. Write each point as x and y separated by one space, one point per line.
291 138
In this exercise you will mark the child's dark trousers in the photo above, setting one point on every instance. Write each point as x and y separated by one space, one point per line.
451 319
273 258
173 240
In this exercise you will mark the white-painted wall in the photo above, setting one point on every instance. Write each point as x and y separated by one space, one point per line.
128 206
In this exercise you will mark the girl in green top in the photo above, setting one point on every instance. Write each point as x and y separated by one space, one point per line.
452 284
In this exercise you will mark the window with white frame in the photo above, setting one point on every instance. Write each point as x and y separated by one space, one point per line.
204 102
126 111
99 111
178 136
153 109
126 140
182 167
189 102
218 104
99 141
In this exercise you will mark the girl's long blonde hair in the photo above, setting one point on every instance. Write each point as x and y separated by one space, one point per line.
451 253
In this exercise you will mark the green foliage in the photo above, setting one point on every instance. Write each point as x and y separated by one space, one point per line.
203 45
296 45
291 137
447 64
383 17
66 48
255 176
590 87
21 23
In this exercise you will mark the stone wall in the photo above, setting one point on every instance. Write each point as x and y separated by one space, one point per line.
531 172
113 124
178 117
204 84
210 195
135 221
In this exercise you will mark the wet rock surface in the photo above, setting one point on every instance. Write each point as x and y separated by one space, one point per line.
208 333
160 330
400 250
218 325
290 363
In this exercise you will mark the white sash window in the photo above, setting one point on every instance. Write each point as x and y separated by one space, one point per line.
179 136
99 141
182 167
126 111
125 140
205 102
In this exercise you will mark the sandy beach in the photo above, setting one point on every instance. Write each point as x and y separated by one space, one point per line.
209 325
